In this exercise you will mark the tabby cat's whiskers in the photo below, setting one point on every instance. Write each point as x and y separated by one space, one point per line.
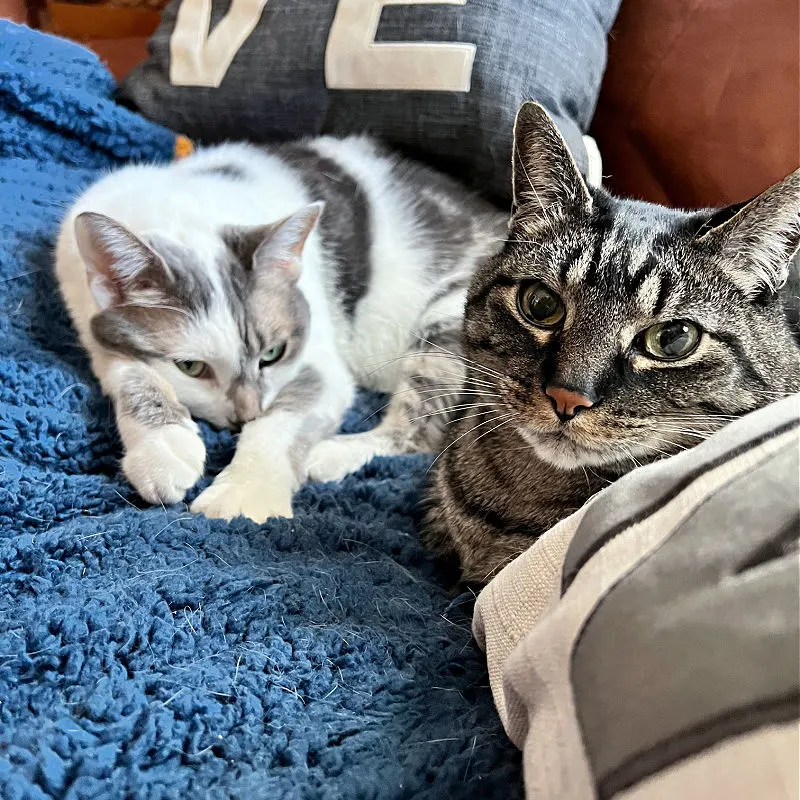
466 433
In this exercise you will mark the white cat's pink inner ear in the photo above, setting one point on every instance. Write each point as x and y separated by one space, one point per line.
98 257
283 247
112 254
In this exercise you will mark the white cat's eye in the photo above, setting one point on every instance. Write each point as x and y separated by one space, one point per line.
540 305
272 355
194 369
670 341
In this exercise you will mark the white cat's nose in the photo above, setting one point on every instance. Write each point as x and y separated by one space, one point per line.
246 403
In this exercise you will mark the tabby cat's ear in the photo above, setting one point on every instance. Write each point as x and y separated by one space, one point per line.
758 242
283 242
546 180
119 264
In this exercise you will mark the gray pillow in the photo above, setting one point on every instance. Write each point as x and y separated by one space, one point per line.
440 81
643 646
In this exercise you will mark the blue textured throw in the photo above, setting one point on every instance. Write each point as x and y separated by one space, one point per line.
147 653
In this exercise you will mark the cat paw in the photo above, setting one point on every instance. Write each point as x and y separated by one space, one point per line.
333 459
236 494
163 463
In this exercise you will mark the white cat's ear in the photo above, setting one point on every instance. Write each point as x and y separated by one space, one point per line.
758 240
546 181
118 263
282 247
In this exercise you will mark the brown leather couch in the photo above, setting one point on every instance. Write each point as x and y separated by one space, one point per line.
700 103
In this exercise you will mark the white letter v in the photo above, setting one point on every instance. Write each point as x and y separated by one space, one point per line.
200 59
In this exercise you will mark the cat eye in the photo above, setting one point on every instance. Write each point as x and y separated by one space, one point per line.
272 355
669 341
194 369
540 305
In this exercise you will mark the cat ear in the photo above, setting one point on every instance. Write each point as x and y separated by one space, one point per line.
119 263
282 246
546 180
758 242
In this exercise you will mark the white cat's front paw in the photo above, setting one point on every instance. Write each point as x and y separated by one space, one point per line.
332 459
163 463
239 493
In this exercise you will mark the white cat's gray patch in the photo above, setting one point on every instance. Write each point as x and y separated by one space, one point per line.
147 404
442 336
457 286
231 171
158 305
139 333
273 311
345 225
455 220
190 289
242 242
299 395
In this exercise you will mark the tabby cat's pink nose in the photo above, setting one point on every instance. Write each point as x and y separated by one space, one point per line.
566 402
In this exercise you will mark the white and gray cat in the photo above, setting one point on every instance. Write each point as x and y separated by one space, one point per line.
257 287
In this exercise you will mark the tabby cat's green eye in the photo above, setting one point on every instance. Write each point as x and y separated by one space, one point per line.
670 341
194 369
540 305
272 355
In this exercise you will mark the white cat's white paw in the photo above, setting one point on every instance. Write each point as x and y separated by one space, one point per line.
240 493
333 459
164 463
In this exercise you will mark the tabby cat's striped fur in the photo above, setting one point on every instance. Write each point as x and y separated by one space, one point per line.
558 410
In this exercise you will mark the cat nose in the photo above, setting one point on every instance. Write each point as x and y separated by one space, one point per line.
566 402
246 403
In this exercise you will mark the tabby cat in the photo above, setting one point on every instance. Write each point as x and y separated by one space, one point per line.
607 333
254 288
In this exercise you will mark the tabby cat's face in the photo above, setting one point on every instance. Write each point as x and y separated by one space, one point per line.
624 331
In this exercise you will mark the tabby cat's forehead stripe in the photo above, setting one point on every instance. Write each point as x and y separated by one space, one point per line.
639 257
648 293
575 265
663 295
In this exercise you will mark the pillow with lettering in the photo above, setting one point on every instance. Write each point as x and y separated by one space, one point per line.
441 81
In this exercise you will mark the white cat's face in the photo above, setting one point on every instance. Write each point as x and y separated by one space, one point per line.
225 329
222 377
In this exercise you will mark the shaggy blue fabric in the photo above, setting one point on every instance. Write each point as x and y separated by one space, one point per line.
147 653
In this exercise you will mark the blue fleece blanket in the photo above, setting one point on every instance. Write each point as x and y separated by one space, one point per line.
147 653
